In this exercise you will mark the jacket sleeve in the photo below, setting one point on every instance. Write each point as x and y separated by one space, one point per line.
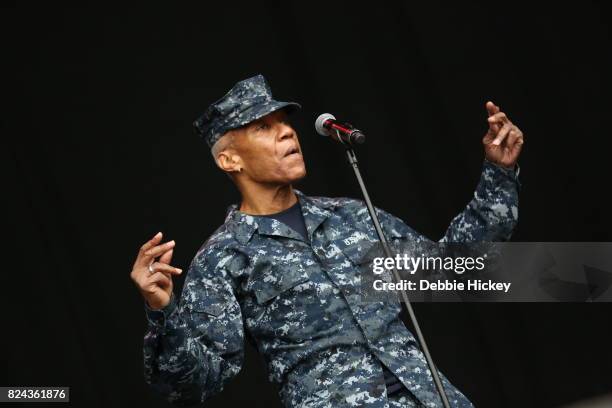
493 212
490 216
194 346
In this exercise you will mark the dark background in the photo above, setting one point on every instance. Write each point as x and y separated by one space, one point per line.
100 155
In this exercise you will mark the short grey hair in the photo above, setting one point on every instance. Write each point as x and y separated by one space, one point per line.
224 142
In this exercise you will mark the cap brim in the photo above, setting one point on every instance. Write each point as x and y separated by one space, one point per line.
261 110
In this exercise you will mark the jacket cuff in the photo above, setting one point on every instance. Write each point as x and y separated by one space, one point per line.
504 172
157 318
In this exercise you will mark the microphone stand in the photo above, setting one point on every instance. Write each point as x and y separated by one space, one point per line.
352 159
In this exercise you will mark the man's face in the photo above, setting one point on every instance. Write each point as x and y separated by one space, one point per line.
269 150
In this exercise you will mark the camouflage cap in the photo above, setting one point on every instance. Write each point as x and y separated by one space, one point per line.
248 100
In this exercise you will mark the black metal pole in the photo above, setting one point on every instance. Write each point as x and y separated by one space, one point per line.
352 158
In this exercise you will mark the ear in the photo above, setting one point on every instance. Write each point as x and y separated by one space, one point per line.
229 161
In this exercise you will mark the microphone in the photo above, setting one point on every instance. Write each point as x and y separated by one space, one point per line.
326 125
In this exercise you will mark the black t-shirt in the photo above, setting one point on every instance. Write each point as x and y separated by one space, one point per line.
293 218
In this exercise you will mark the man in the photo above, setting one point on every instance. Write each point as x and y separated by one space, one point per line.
283 268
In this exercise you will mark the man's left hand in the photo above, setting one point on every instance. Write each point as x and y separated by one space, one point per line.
503 141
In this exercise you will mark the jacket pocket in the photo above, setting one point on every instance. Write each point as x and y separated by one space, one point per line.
212 302
361 247
361 250
272 279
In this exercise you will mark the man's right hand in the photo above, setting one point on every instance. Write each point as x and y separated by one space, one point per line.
156 286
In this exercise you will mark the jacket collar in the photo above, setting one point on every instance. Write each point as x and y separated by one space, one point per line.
314 210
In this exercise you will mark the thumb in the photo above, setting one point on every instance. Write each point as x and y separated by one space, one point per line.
487 139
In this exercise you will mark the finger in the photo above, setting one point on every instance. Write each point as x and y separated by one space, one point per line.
488 137
158 250
499 117
148 245
162 267
519 140
152 242
499 138
496 122
166 257
493 130
513 137
491 108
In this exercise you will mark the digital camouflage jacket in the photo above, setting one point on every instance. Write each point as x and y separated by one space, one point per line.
297 302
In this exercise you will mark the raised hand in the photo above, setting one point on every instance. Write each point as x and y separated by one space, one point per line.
154 278
503 141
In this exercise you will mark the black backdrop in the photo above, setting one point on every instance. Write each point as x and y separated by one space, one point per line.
100 155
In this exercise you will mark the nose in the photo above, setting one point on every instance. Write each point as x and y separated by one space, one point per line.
285 131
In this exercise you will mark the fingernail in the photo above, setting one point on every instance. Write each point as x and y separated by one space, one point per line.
179 270
171 242
158 234
496 142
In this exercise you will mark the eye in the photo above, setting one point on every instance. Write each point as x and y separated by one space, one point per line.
263 126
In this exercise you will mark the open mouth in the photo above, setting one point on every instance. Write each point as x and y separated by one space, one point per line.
293 150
